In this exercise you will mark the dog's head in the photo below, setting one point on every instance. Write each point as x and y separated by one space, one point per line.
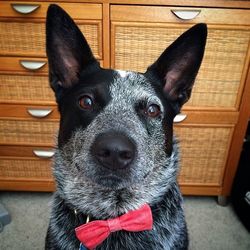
116 126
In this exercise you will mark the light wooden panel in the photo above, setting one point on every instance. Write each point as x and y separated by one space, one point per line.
203 152
24 152
135 46
21 88
28 38
75 10
28 132
164 14
18 111
25 168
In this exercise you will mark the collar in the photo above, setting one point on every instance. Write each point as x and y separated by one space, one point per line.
82 218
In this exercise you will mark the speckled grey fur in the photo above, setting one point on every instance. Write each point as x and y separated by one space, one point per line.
118 116
151 179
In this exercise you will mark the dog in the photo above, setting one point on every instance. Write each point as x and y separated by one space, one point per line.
116 150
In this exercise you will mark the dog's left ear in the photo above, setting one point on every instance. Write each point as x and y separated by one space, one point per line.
178 65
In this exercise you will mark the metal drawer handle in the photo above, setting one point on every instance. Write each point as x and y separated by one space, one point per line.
25 8
180 118
45 154
39 113
32 65
186 14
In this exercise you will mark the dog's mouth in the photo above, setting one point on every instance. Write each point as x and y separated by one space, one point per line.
117 179
111 181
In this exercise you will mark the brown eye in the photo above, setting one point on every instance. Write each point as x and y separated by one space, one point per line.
153 111
86 102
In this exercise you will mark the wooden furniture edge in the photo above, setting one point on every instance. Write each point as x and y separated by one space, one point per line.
27 185
237 141
193 3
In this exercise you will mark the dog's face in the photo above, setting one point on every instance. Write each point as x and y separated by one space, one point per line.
116 126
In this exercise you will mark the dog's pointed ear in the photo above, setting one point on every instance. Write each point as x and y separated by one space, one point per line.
178 65
67 50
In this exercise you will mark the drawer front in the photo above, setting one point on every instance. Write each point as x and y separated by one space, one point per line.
25 80
26 38
21 168
23 65
29 112
27 152
179 14
203 152
28 132
25 88
39 10
219 83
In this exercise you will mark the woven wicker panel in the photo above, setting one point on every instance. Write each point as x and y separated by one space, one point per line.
25 169
217 84
29 38
28 131
25 88
203 154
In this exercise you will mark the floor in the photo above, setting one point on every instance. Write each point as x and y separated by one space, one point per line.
211 227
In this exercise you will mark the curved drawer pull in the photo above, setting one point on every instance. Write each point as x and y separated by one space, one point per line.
180 118
39 113
45 154
25 8
186 14
32 65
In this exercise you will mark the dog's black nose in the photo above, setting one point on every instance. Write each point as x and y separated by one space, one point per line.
114 151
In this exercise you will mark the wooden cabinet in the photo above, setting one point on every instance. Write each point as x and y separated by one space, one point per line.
139 34
28 112
24 33
129 35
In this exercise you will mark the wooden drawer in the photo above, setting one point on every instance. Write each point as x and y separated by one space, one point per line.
29 112
39 10
23 162
27 152
204 152
23 65
25 88
23 132
21 168
19 84
136 43
191 15
26 36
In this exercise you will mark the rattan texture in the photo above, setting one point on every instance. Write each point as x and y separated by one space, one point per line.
19 38
24 168
25 88
203 153
28 131
218 81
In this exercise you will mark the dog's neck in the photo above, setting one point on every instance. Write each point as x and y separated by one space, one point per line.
82 218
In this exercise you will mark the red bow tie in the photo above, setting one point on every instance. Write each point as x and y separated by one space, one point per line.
94 233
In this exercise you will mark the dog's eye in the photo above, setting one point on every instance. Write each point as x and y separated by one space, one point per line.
153 111
86 102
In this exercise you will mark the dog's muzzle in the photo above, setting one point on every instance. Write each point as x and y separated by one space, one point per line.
113 150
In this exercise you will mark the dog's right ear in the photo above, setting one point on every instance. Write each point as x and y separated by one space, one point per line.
67 50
